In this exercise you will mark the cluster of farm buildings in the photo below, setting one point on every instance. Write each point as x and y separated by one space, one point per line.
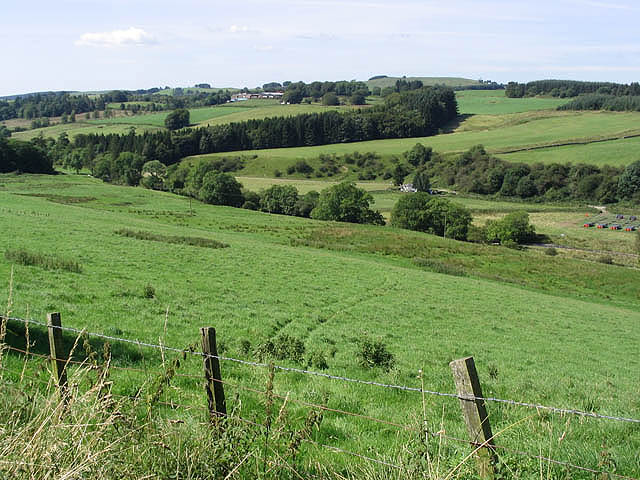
239 97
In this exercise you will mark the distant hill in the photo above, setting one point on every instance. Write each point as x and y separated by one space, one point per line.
384 81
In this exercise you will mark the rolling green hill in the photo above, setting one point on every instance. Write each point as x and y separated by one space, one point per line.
427 81
550 330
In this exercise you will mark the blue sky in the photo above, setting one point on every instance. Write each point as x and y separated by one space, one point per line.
130 44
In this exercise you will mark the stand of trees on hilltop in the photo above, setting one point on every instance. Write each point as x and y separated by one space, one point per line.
569 88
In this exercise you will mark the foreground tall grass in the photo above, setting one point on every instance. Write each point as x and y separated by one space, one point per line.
90 433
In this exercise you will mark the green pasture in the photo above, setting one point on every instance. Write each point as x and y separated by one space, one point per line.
494 102
197 115
73 129
520 131
257 111
613 152
546 330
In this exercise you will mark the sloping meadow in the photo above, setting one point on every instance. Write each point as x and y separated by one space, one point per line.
542 330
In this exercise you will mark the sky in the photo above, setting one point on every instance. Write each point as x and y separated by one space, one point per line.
90 45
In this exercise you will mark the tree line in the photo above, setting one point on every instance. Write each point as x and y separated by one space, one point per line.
596 101
55 104
569 88
408 114
475 171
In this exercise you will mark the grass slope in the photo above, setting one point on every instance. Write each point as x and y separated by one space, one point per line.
555 331
427 81
494 102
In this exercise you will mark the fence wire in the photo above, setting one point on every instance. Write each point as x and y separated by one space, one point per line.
569 411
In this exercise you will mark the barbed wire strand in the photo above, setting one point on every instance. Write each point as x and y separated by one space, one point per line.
570 411
175 405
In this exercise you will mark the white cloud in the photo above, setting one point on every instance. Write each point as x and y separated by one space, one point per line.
263 48
117 38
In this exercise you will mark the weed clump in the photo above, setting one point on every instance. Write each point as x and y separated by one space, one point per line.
552 252
149 291
283 347
375 354
155 237
47 262
606 259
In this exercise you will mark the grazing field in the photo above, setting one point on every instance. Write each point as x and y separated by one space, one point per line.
518 131
550 330
73 129
196 115
494 102
613 152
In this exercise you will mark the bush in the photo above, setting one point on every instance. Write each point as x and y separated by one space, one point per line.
346 203
513 228
606 259
425 213
283 347
281 199
552 252
221 189
149 292
375 354
177 119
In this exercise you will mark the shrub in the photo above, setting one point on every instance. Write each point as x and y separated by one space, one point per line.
425 213
606 259
280 199
346 203
513 228
552 252
149 292
375 354
318 360
221 189
283 347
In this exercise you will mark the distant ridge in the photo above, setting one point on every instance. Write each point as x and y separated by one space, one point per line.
383 81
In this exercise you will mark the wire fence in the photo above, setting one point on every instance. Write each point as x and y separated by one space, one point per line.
288 398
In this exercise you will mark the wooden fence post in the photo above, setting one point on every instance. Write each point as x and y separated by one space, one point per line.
214 386
58 355
475 414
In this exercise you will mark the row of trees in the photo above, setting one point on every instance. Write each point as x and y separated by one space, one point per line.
408 114
56 104
475 171
296 92
569 88
598 101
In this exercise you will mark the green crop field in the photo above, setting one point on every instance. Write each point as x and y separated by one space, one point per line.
551 330
494 102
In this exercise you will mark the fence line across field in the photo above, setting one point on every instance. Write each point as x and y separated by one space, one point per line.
335 449
569 411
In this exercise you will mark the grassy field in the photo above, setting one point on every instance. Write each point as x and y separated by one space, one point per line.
448 81
73 129
494 102
556 331
504 134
